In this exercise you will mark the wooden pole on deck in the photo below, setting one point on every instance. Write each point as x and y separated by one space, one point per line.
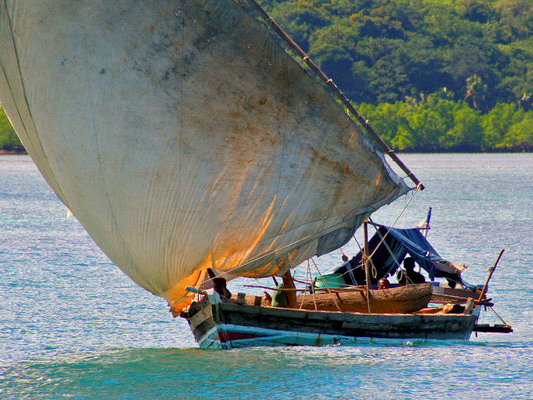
288 284
365 260
491 271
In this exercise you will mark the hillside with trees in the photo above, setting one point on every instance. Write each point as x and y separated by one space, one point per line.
431 75
387 50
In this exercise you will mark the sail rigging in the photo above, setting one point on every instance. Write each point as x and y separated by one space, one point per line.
184 137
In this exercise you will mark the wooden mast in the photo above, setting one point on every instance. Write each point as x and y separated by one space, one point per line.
290 289
329 82
366 261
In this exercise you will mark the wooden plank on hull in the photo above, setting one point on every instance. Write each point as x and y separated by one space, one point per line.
452 326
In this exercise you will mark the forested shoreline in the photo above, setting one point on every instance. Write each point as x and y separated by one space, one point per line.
430 75
438 124
428 124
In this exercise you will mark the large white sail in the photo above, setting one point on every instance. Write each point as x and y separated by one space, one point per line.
182 137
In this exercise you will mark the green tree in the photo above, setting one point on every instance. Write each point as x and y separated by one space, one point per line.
437 123
301 19
520 135
475 92
496 124
466 134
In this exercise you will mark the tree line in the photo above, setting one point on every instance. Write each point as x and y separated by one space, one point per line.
446 75
437 123
425 124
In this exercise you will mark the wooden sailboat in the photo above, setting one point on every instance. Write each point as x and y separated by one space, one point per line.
344 316
223 325
184 137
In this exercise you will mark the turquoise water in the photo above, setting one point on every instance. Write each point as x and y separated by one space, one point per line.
73 326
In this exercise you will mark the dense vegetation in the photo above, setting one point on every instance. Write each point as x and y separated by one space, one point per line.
431 75
385 50
434 75
437 123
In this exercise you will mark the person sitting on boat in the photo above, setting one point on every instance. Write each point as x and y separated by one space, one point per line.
408 274
383 283
279 297
219 285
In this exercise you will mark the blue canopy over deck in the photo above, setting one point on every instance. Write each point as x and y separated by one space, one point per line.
388 247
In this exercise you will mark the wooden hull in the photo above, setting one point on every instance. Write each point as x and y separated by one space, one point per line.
230 325
447 295
401 299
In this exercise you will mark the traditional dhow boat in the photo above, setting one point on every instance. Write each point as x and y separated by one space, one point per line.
344 314
226 325
185 138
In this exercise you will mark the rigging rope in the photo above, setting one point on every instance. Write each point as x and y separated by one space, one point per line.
498 315
396 262
309 278
396 220
409 199
326 285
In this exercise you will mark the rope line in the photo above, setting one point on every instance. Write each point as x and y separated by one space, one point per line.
327 287
396 220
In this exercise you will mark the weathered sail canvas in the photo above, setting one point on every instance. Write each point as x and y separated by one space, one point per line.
182 136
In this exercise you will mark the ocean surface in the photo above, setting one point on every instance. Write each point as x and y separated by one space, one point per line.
72 325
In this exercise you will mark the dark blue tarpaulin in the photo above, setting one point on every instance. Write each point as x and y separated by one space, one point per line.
387 258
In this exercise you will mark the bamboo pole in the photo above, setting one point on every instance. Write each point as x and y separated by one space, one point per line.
329 82
367 269
327 287
491 271
312 284
428 218
274 289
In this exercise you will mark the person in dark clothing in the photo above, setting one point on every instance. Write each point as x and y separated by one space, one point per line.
219 284
383 283
409 275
